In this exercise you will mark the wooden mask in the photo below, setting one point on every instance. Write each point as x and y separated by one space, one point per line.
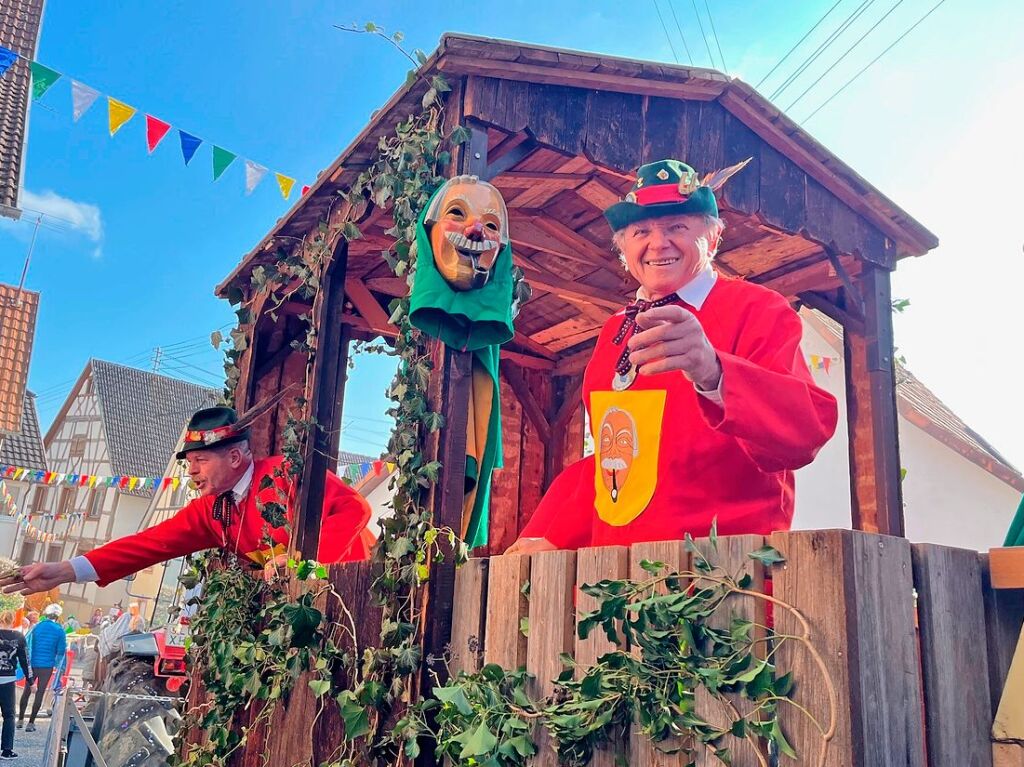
468 226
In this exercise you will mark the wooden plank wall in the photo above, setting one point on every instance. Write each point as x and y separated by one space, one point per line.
903 699
622 131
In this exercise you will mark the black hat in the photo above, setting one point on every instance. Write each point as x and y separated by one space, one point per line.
213 427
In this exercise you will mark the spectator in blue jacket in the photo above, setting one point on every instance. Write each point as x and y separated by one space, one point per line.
47 646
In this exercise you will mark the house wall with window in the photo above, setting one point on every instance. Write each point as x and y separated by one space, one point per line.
78 445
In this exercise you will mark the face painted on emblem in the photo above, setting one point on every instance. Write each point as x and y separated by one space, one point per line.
619 447
468 226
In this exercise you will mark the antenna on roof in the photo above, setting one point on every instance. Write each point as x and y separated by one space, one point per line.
158 355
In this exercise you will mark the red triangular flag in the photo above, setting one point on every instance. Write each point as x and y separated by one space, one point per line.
378 468
826 361
305 188
155 131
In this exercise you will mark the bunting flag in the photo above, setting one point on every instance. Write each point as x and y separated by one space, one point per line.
305 188
189 145
7 58
118 113
82 97
42 78
155 132
21 474
254 173
222 158
285 184
818 362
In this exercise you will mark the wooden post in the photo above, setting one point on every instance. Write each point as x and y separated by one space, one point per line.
328 396
876 495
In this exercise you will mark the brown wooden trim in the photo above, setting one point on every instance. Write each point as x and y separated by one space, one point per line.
358 323
575 290
830 309
527 360
326 404
573 363
570 237
529 403
875 488
536 348
698 90
367 306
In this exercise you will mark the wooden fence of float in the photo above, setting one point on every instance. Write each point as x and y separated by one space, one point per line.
915 641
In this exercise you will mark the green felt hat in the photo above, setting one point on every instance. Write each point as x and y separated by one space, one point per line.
667 188
212 427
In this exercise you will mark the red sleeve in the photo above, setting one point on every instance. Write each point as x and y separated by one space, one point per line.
188 531
344 536
770 403
565 515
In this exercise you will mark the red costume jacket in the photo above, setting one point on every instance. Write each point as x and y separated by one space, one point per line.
669 461
343 533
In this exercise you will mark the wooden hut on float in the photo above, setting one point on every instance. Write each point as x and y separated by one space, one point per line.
560 132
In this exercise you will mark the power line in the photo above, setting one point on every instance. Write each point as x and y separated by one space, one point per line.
822 48
790 51
672 7
700 25
848 51
876 58
714 31
665 30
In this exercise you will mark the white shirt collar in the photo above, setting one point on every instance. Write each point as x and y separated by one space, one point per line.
696 291
242 486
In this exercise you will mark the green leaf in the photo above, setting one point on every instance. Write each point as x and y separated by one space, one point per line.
524 626
460 135
319 686
767 555
370 27
355 717
456 696
652 567
713 535
480 743
429 98
304 621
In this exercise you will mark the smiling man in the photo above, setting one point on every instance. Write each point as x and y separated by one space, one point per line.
701 403
240 509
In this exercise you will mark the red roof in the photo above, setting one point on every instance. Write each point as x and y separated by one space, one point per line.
17 330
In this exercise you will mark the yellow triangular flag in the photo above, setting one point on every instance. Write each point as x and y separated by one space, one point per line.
92 480
175 483
118 113
132 483
285 184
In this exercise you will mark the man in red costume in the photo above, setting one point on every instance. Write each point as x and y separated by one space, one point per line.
235 492
700 402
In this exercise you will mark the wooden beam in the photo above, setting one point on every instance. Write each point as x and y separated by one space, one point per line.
573 364
326 404
364 302
698 90
579 291
876 494
358 323
525 234
527 360
572 238
528 343
508 160
830 309
527 400
396 287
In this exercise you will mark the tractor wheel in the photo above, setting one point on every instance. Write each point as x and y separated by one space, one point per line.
132 732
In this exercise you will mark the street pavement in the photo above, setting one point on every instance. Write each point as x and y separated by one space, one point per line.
29 745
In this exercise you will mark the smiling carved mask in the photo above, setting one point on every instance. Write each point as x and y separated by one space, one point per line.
468 226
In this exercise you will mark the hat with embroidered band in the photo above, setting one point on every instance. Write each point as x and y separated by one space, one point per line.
669 188
212 427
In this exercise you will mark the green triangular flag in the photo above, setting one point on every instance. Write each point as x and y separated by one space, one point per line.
42 78
222 158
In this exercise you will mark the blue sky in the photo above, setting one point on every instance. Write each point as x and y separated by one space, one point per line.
933 125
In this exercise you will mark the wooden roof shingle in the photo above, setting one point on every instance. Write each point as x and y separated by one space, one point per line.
19 31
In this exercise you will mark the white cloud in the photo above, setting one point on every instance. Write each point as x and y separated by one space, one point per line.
64 213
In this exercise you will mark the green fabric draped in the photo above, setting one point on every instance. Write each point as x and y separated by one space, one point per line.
478 321
1015 535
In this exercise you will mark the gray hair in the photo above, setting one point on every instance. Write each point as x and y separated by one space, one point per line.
711 222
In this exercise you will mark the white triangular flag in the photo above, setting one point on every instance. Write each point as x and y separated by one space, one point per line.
254 173
82 97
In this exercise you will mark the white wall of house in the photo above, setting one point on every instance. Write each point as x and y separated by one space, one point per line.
948 499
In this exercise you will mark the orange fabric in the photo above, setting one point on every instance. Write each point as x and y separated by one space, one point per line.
343 533
733 462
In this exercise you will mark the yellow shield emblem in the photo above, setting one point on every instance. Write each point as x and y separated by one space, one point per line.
627 436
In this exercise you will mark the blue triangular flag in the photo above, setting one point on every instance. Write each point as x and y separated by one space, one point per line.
7 58
189 145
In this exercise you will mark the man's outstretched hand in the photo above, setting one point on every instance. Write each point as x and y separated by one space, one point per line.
43 576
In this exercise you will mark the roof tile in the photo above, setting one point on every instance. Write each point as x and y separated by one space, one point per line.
17 330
